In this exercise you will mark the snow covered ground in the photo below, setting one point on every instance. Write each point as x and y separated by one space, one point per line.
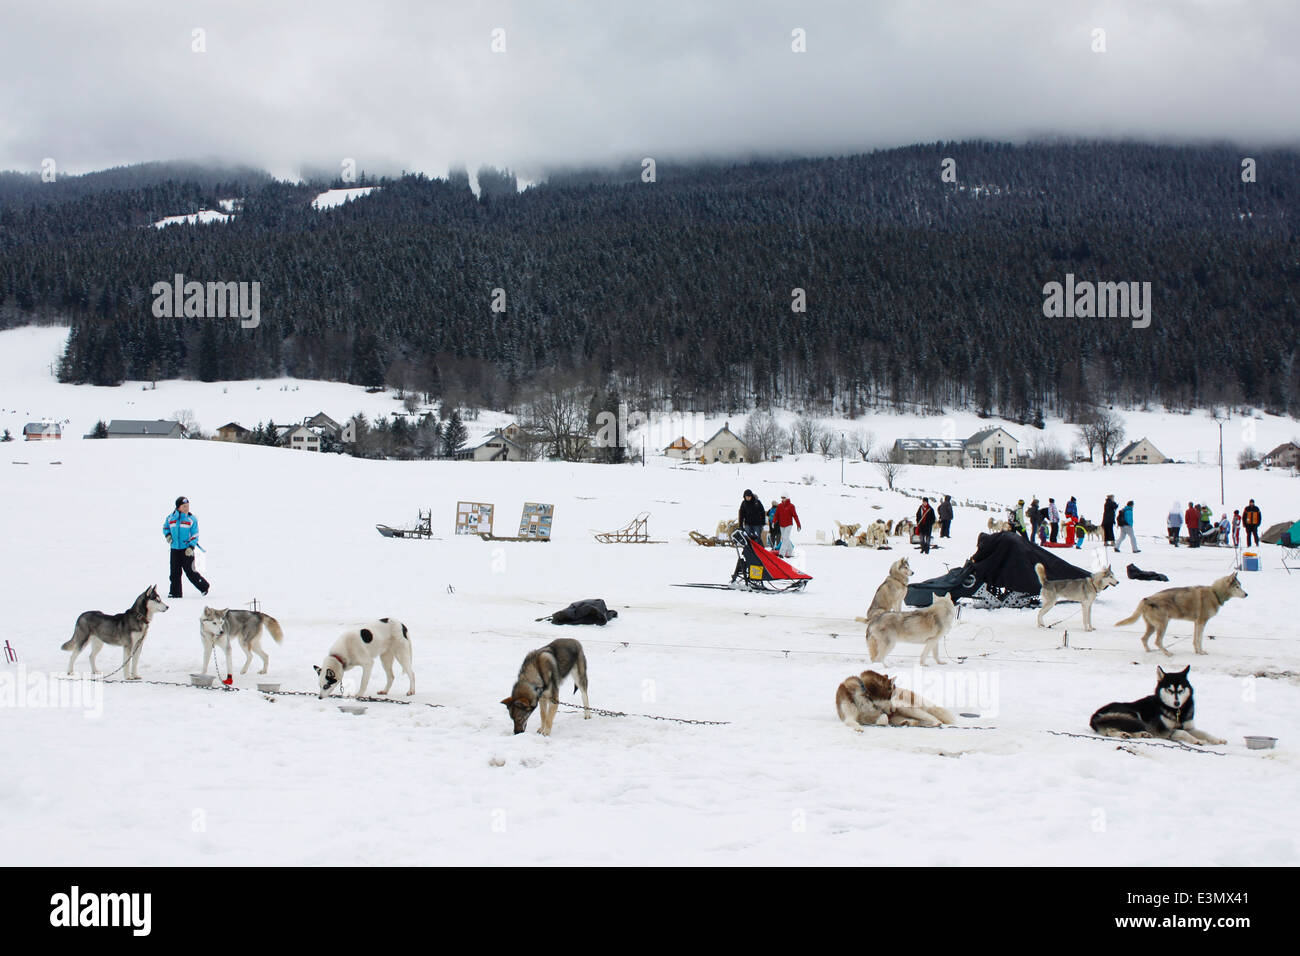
159 774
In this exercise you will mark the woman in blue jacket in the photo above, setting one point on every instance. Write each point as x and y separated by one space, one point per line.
181 529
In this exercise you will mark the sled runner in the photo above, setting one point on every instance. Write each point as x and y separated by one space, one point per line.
636 532
423 528
759 569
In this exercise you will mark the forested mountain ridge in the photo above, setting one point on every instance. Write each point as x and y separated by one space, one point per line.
679 290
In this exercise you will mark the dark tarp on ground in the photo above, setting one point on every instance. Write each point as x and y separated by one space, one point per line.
1003 561
590 611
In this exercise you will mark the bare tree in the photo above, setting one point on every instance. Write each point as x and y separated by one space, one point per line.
558 418
189 424
827 440
762 434
1103 431
865 441
891 465
807 434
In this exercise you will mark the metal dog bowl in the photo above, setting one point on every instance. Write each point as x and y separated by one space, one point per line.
202 680
1260 743
268 688
353 708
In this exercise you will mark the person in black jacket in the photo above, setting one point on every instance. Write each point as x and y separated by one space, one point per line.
752 516
1108 521
945 515
924 524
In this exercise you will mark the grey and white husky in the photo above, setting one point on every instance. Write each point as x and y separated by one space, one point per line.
125 630
218 625
1083 590
1166 713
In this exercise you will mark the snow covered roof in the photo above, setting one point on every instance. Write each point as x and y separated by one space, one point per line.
131 426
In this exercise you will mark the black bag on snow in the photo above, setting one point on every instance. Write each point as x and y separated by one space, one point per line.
590 611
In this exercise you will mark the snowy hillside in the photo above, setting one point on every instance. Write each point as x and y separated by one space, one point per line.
206 777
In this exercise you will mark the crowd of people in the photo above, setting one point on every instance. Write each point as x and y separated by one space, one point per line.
1203 529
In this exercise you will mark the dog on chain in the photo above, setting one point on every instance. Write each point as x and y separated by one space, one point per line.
1196 604
872 699
218 626
926 626
126 630
1083 590
890 594
1167 713
386 639
540 677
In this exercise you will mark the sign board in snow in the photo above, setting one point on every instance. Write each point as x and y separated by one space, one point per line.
536 521
473 517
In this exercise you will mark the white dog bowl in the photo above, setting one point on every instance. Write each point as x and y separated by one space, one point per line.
268 688
1260 743
202 680
353 708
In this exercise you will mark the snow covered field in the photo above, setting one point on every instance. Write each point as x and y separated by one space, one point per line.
176 775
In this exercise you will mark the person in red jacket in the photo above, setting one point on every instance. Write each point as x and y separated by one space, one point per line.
1250 517
787 519
925 524
1192 518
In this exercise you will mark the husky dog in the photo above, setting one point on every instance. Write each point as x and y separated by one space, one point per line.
999 524
540 676
873 699
875 536
1083 590
386 639
726 528
1166 713
890 594
905 526
126 630
846 532
926 626
1196 604
216 627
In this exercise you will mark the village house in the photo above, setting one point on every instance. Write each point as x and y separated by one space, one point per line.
725 445
495 446
680 449
991 448
132 428
1286 455
930 451
302 438
1140 452
232 431
42 431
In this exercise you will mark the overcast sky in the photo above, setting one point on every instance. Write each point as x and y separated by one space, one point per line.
416 85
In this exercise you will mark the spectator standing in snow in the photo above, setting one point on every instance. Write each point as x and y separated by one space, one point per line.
925 524
1175 522
1126 528
787 519
1072 508
1018 519
1225 528
1108 521
1251 518
1035 515
1236 529
773 529
945 515
751 516
181 529
1053 518
1192 518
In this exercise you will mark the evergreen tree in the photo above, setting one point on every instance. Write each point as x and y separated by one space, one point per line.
454 435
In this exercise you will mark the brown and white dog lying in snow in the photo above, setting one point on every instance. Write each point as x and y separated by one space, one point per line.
872 699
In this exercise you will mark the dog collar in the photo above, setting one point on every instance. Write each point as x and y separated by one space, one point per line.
340 660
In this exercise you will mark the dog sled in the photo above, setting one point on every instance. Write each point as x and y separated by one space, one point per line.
759 569
637 531
423 528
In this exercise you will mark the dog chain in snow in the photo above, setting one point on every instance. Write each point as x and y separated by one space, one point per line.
280 693
619 713
1172 744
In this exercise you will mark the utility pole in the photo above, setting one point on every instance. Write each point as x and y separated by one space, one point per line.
842 440
1221 496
